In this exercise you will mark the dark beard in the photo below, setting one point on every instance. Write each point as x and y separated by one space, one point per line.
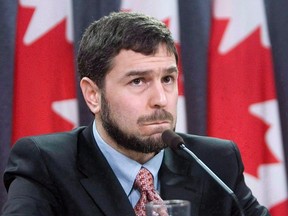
130 141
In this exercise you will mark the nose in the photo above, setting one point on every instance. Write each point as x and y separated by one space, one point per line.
158 96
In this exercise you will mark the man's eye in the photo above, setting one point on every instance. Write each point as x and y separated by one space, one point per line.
168 79
137 81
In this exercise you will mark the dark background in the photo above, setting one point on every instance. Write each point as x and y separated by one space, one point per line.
194 20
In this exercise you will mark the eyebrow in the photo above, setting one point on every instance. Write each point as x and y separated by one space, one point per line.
172 69
169 70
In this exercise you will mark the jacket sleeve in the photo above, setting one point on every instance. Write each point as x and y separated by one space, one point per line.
29 185
247 201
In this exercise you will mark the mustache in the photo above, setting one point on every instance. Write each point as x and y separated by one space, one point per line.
158 115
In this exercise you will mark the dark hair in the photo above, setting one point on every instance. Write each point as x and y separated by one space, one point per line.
105 38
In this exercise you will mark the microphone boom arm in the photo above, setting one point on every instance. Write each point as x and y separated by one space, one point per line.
214 176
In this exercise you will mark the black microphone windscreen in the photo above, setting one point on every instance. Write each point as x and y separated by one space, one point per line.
172 139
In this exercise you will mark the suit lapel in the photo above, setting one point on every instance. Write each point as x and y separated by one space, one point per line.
100 181
177 180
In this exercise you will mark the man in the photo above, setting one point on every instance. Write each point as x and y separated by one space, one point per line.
128 68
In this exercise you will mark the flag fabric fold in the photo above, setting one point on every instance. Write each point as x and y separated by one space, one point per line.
44 96
230 85
242 99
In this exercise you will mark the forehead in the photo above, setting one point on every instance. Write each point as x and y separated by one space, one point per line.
129 60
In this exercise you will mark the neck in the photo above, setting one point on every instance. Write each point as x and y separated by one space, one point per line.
140 157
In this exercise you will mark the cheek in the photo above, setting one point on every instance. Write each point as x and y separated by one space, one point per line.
126 110
173 102
173 107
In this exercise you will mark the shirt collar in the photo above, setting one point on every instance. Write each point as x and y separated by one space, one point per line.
125 168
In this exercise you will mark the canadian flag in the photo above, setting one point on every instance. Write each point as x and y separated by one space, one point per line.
169 15
242 98
44 79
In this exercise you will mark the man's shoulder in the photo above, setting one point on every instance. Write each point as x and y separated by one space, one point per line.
191 138
208 144
51 141
214 152
58 137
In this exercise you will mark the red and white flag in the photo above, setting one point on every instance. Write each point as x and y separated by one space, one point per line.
242 97
169 15
44 79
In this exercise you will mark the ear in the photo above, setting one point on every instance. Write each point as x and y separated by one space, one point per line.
91 94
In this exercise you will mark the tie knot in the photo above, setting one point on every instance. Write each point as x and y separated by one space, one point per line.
144 180
144 183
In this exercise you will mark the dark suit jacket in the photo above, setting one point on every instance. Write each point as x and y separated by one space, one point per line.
66 174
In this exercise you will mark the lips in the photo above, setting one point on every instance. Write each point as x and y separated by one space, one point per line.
155 123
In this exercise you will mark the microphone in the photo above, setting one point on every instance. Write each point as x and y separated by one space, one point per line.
177 143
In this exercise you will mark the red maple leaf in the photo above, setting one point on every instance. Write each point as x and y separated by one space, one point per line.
44 73
237 80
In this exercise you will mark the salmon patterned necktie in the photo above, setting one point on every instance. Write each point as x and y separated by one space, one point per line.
144 183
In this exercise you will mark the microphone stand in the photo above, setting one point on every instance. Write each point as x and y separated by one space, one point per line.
215 177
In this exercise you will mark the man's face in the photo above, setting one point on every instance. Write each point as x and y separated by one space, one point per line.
139 100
